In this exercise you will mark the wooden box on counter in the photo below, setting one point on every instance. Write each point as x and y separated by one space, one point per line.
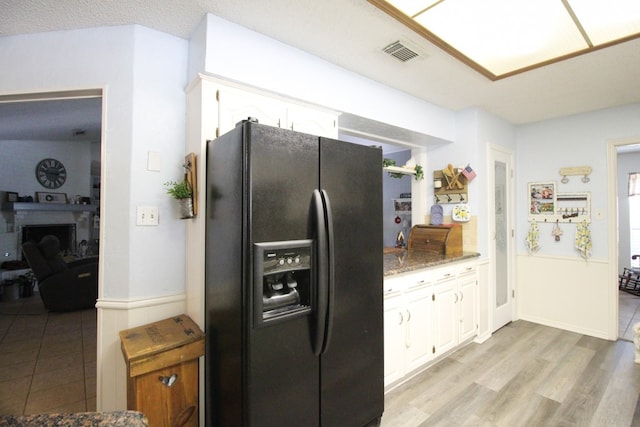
445 239
162 370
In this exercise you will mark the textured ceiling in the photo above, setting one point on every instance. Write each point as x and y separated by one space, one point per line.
351 34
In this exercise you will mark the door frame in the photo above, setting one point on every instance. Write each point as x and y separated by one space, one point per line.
69 94
612 231
496 152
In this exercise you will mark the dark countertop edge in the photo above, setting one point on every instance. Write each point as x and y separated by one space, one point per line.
416 262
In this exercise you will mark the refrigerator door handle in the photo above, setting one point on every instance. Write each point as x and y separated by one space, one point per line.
325 271
331 271
322 270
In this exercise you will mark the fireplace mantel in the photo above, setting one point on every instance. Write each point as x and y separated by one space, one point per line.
60 207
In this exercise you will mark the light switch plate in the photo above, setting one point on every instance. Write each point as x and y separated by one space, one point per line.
153 161
147 215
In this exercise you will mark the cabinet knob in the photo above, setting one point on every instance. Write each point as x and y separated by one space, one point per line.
168 381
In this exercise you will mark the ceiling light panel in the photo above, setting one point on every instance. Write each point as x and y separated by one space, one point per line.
606 21
505 35
500 38
412 7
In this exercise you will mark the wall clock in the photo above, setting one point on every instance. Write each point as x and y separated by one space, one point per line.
51 173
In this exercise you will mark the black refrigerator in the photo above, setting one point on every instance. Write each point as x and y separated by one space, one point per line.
294 278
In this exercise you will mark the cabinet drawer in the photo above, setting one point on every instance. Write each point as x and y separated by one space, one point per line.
443 274
418 280
467 269
393 286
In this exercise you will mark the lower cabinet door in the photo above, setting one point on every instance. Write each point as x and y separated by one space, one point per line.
445 316
419 331
467 307
394 327
168 397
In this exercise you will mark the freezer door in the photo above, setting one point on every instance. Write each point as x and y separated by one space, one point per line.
352 368
282 382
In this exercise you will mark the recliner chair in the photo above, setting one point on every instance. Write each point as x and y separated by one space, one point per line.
63 286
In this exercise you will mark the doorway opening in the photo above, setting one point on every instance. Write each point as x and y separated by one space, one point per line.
66 126
628 219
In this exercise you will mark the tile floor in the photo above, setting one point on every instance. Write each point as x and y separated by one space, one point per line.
47 360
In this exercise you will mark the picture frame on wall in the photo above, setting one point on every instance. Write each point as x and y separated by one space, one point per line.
45 197
542 200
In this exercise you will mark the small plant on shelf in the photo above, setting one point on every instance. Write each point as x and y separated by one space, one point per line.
419 172
178 190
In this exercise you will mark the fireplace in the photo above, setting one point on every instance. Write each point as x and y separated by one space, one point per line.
66 233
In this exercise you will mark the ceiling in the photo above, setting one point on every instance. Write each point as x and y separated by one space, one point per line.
352 34
500 38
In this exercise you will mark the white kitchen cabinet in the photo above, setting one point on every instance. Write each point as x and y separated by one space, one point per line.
454 306
427 313
467 303
408 328
394 327
237 104
445 321
418 340
312 121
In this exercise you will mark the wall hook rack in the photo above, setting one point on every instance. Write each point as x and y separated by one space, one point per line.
585 171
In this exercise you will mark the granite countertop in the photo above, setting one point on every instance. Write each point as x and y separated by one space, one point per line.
404 261
80 419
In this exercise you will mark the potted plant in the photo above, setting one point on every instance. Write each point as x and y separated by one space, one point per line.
182 192
399 171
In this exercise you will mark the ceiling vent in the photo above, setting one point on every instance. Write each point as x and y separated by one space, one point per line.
400 51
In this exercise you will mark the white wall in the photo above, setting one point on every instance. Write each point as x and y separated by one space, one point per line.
239 54
19 159
18 162
143 74
475 129
556 286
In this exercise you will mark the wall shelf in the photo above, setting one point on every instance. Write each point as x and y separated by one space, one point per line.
60 207
398 169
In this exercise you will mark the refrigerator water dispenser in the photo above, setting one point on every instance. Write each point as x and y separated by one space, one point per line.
282 280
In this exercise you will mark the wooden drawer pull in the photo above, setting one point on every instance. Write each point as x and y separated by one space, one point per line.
168 381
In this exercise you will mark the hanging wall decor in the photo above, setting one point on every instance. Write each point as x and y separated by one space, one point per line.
450 185
533 238
542 200
583 239
190 176
585 171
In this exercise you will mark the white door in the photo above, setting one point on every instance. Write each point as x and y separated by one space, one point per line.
502 235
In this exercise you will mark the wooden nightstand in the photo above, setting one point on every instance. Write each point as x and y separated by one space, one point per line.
162 370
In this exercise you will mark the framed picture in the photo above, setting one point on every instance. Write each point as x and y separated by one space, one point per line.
12 197
42 197
542 200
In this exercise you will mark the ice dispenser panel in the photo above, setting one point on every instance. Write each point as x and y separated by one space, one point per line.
282 280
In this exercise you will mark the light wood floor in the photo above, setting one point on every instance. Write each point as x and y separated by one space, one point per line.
525 375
